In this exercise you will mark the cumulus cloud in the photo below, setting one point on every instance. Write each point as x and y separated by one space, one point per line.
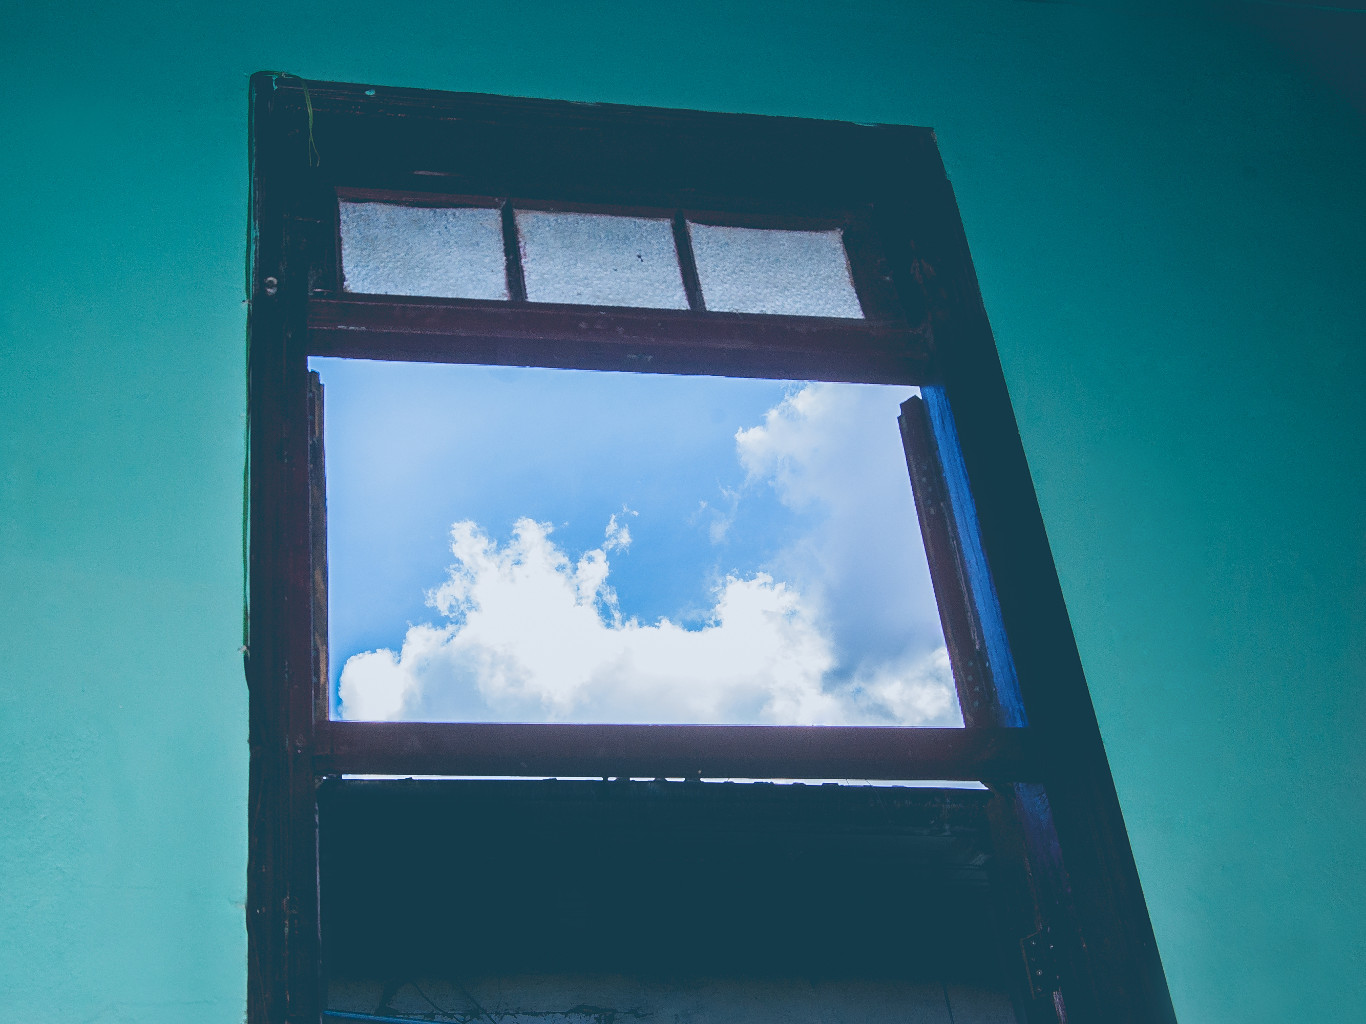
835 630
833 452
531 635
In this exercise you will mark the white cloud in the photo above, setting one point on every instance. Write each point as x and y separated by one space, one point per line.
618 535
833 452
532 636
840 629
719 522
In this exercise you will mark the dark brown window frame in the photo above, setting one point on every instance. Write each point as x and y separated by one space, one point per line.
1078 904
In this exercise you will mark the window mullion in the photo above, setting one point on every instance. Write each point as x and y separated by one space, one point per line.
512 254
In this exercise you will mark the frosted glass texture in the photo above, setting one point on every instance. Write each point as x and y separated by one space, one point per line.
443 252
597 259
763 270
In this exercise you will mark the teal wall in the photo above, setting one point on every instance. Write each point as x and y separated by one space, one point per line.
1167 219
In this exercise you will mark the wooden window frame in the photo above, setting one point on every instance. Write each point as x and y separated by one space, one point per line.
1079 909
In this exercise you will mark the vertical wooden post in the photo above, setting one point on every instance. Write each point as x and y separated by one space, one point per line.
282 904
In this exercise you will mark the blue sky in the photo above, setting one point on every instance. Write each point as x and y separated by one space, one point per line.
549 545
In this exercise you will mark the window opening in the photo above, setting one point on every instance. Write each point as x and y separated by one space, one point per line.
512 544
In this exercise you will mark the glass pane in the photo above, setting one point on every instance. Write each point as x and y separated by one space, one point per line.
596 259
444 252
531 545
761 270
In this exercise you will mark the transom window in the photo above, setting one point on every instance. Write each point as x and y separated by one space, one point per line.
504 250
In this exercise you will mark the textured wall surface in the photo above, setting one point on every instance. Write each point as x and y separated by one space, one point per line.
1166 216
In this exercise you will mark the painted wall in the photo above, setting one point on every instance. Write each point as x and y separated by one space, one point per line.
1166 217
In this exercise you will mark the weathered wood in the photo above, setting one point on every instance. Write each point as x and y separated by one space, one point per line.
646 340
282 903
512 254
268 780
962 635
687 263
547 150
675 751
317 515
1028 877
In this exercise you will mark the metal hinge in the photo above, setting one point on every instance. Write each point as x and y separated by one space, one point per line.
1041 963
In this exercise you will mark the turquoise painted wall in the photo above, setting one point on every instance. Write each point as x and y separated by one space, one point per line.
1167 220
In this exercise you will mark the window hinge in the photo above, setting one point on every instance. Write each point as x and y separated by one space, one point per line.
1040 958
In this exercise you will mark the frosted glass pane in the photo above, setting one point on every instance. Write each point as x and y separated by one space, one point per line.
596 259
762 270
444 252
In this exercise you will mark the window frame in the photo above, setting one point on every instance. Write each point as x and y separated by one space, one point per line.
924 325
